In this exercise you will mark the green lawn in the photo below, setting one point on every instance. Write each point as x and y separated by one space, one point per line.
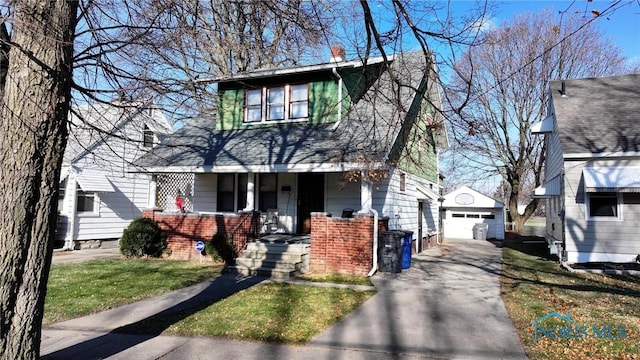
273 312
534 284
270 312
76 290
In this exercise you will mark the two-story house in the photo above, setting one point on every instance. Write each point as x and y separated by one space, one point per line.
592 169
98 198
328 151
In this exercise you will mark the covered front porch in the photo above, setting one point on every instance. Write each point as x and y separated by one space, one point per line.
334 244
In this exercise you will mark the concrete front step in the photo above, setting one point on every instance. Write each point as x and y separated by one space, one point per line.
272 259
279 248
267 263
270 255
268 272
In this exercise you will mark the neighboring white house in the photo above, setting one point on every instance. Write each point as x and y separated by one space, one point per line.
98 198
465 207
592 169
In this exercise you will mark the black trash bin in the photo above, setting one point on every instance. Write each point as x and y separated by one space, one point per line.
390 251
406 249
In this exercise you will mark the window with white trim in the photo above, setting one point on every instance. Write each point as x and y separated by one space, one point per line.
277 103
604 206
232 197
86 201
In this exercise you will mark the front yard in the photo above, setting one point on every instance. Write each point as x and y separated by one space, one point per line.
273 312
596 316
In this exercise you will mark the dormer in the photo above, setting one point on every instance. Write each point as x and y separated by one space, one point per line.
311 94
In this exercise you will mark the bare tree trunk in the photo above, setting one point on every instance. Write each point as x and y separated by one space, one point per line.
33 135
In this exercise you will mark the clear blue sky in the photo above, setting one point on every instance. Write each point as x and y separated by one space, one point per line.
621 22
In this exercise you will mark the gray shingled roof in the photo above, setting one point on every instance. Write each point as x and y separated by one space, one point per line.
366 134
598 115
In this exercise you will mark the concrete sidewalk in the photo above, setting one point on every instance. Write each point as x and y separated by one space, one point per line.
78 256
446 306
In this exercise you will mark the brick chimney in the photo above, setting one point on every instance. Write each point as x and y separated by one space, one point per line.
337 53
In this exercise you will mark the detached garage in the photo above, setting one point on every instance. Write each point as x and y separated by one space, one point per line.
465 207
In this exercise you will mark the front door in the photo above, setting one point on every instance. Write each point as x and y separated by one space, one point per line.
310 199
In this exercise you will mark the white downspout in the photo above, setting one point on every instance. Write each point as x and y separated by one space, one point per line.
438 240
152 192
366 203
72 188
335 72
374 267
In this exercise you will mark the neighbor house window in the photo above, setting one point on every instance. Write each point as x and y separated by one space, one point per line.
279 103
62 189
403 182
147 137
268 195
606 205
86 201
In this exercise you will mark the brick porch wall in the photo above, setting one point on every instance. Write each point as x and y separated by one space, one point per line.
340 245
184 230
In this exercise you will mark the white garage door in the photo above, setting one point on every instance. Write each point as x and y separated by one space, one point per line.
459 224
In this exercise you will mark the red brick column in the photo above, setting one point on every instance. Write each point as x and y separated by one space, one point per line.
341 245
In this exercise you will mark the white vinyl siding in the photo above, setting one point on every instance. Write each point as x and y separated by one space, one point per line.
585 237
205 198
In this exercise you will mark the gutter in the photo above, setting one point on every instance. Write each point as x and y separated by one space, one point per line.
335 72
374 267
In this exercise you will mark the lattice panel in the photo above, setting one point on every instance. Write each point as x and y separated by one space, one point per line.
171 186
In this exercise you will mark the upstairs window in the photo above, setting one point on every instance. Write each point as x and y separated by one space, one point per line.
253 106
276 104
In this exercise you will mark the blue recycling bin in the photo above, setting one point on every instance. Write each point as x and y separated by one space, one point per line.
406 249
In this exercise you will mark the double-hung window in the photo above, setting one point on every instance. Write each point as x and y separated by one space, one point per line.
86 201
147 137
299 101
277 103
229 196
253 106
